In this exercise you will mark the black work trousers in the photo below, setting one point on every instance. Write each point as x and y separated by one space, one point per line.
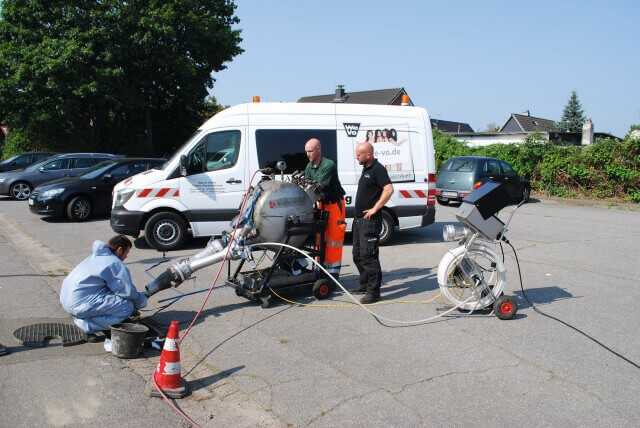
366 239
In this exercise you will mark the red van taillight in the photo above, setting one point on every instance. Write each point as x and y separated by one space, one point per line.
477 185
431 193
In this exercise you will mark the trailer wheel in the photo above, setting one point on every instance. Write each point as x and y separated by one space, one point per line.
321 289
505 307
165 231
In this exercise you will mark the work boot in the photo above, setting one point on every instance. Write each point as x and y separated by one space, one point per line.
369 298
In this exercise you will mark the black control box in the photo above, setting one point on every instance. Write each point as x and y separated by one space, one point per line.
489 198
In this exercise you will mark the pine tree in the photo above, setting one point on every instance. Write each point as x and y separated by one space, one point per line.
573 115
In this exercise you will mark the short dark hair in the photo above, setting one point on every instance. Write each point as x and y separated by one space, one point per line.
119 241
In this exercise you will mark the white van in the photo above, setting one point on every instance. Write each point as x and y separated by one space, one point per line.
225 152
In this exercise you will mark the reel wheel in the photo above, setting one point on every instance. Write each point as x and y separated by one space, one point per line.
505 307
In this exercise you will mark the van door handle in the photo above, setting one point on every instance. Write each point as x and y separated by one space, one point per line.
234 181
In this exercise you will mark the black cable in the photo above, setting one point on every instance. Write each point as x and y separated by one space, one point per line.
524 293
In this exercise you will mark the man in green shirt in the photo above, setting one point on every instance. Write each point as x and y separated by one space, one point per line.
324 172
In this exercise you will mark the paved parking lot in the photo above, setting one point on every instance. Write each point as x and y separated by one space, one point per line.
337 366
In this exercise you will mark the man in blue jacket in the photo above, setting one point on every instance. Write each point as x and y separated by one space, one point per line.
99 291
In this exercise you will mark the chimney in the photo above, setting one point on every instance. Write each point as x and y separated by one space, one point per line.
587 132
339 98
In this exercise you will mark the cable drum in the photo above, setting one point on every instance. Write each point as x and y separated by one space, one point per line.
458 290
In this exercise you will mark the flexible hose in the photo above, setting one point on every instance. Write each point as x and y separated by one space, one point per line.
355 301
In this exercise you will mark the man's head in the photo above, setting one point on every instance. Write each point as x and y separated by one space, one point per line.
120 245
313 150
364 153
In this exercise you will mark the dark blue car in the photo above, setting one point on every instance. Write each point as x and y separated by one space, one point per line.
78 198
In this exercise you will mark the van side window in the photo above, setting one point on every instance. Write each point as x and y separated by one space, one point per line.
288 145
219 150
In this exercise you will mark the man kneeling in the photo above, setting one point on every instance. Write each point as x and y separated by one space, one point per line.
99 291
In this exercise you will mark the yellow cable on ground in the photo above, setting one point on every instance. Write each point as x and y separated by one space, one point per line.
351 305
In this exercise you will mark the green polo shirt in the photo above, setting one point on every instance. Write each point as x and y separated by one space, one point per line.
326 175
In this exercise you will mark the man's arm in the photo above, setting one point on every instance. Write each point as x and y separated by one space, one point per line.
325 175
387 191
119 281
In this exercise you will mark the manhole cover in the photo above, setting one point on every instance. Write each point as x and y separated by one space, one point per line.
37 335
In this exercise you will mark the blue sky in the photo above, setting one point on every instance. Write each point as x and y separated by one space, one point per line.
472 61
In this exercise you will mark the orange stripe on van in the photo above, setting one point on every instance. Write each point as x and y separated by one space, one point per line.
144 193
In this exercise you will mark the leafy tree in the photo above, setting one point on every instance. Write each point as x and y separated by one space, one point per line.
210 108
113 75
492 127
572 116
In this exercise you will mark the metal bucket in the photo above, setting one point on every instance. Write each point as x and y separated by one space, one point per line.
127 339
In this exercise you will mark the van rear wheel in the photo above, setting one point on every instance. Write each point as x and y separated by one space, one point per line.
165 231
388 228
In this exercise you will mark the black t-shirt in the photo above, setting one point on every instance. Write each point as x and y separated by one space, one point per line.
370 185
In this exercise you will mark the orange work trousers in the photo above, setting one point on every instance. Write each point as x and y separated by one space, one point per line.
334 235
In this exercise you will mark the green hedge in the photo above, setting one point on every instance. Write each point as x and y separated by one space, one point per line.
606 169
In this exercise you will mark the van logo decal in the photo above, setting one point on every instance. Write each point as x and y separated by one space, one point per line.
352 129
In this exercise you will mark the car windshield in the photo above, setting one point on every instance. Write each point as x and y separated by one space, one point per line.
98 169
11 159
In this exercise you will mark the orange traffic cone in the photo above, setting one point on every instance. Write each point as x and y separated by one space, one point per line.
167 376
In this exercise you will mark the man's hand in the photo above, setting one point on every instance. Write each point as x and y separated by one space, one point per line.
369 213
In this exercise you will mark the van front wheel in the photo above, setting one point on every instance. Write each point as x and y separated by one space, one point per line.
387 229
165 231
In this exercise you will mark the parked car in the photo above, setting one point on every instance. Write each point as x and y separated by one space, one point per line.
19 184
24 160
459 176
78 198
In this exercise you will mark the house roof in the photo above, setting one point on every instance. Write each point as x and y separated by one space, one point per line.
378 96
529 123
449 126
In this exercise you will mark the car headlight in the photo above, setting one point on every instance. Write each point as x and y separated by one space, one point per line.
51 193
122 196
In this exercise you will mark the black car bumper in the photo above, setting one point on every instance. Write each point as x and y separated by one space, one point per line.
126 222
48 207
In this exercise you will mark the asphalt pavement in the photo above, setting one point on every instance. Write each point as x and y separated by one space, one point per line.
336 366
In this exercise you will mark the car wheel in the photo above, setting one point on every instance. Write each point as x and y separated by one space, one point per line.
388 228
165 231
21 190
526 193
79 208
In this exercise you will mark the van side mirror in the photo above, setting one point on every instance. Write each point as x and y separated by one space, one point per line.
183 165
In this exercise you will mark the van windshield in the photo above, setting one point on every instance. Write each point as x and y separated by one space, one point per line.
176 155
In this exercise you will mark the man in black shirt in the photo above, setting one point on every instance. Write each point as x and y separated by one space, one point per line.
374 190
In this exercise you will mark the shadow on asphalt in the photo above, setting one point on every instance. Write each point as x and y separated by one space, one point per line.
184 317
62 220
542 295
191 244
204 382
